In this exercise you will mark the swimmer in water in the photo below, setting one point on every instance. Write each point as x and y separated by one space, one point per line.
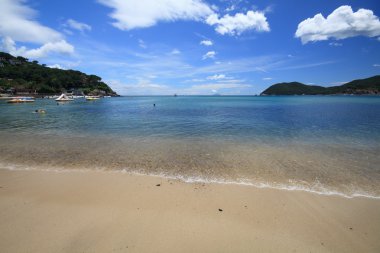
41 111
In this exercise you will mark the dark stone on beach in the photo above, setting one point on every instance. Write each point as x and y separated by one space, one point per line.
350 228
158 184
220 210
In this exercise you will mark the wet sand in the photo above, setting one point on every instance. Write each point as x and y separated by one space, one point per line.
46 211
348 170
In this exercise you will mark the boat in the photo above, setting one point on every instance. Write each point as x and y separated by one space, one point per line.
92 98
21 100
63 98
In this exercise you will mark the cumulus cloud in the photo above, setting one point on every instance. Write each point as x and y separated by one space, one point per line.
145 13
235 25
62 47
17 25
216 77
206 42
56 66
209 55
73 24
342 23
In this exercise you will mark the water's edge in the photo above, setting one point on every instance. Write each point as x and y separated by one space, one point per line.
197 180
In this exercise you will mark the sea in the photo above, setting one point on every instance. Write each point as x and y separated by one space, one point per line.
322 144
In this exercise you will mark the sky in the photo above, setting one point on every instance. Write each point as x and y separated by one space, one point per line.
191 47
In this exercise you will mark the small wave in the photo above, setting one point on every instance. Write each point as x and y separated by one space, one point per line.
292 186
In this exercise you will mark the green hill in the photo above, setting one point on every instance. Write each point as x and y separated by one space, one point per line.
363 86
19 74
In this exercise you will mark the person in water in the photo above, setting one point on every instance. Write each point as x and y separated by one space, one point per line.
40 111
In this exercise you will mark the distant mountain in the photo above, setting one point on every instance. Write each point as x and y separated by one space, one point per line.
363 86
18 74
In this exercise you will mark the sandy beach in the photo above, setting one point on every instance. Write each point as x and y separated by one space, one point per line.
46 211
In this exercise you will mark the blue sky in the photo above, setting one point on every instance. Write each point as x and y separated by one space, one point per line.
156 47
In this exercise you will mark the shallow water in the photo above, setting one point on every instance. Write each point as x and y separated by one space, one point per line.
326 144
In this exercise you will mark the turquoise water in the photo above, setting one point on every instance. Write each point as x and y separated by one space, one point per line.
326 144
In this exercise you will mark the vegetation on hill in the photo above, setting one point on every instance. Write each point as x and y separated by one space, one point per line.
19 73
363 86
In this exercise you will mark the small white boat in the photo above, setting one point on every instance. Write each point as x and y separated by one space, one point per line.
92 98
21 100
63 98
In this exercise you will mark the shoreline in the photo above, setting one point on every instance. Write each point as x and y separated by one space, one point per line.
198 180
87 211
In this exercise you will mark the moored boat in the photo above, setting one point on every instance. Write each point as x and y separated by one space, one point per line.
63 98
92 98
21 100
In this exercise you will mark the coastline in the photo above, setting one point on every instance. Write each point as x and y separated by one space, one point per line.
90 211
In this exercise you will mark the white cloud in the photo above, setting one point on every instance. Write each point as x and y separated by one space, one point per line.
67 31
376 65
145 13
73 24
209 55
308 65
139 87
261 70
216 77
141 84
17 25
267 78
339 83
219 86
342 23
335 44
56 66
196 80
231 8
175 51
142 43
235 25
206 43
62 47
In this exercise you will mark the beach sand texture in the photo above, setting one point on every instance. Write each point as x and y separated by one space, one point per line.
76 211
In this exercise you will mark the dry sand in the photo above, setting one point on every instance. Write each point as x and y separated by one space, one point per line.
43 211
